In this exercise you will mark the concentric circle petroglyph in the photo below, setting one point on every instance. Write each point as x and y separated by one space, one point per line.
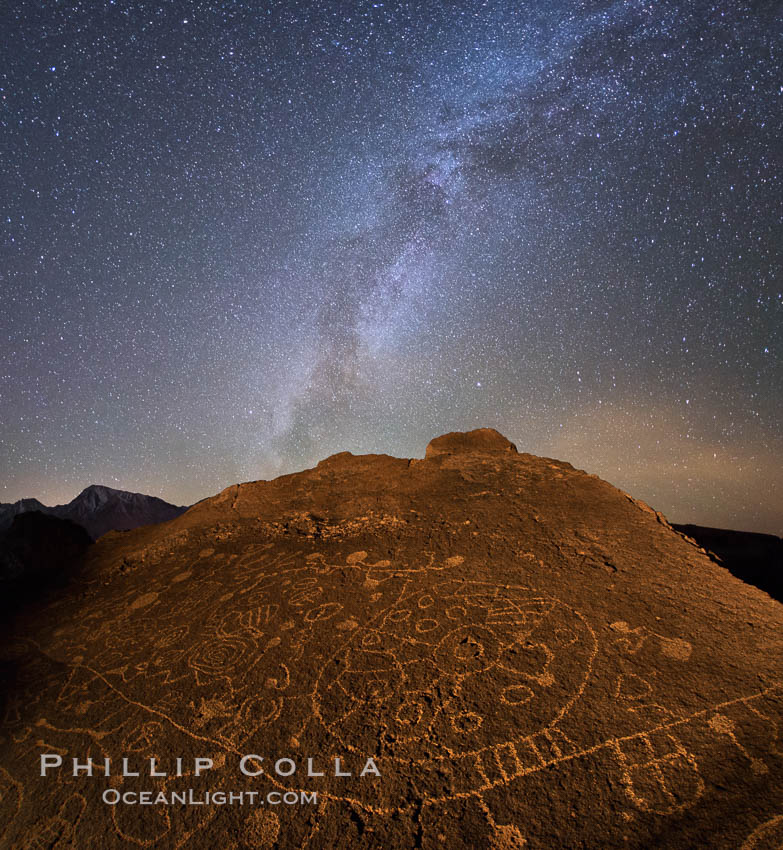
223 655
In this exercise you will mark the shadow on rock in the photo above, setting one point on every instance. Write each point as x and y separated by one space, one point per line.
757 559
38 554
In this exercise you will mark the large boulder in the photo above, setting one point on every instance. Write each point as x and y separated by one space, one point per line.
527 656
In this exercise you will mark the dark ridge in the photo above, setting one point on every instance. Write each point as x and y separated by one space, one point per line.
754 558
39 553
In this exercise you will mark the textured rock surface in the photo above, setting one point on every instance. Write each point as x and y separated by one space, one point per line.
533 659
485 440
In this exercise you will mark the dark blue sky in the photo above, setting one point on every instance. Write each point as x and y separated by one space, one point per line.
237 238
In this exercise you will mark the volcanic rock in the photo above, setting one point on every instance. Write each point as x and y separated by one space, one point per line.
530 657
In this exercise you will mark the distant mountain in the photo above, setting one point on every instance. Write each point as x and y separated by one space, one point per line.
99 509
11 509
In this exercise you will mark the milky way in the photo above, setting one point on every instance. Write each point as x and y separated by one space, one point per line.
240 237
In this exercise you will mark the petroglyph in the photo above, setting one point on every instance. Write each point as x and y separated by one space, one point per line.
431 659
632 640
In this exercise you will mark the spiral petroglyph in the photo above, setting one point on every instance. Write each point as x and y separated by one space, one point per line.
221 655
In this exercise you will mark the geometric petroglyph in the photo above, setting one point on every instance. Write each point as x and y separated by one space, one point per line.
658 773
632 640
433 664
752 728
726 726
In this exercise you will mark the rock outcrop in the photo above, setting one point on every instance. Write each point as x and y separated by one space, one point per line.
482 440
528 657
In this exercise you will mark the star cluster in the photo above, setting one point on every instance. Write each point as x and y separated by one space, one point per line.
238 237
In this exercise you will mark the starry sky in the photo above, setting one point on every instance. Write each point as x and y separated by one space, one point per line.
239 237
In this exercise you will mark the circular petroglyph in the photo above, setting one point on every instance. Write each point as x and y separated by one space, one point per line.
676 648
261 829
356 558
467 649
768 836
323 612
459 673
171 636
221 655
143 601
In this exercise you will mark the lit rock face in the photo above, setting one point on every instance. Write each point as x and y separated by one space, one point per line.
530 658
483 440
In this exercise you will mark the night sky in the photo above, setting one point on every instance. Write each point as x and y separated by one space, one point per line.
239 237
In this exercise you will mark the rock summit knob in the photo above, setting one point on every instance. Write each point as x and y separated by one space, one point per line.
481 440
